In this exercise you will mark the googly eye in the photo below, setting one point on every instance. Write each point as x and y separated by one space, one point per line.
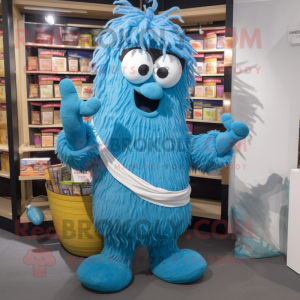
167 72
137 66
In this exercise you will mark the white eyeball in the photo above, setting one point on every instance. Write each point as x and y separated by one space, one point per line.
137 66
167 72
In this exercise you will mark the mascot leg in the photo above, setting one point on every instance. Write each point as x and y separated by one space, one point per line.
109 271
176 266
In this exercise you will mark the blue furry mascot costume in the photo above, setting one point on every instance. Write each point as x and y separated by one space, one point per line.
138 148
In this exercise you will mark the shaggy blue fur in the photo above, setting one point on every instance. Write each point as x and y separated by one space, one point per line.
154 146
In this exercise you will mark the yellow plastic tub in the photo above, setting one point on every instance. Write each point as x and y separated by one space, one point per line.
73 222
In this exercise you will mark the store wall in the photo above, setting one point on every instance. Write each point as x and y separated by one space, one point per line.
266 97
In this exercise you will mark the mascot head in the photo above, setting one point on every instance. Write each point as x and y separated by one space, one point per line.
143 61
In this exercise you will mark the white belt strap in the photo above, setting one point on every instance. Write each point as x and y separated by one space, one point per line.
140 187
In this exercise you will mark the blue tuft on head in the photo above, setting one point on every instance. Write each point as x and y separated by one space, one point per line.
146 30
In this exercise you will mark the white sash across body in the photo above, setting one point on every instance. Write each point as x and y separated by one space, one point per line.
140 187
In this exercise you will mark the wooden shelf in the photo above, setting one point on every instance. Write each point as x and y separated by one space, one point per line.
32 148
211 50
200 15
26 178
211 75
3 148
46 126
203 28
205 208
201 175
65 8
59 73
40 202
203 121
49 99
204 98
59 46
4 174
5 208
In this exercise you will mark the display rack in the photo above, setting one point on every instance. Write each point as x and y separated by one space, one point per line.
215 186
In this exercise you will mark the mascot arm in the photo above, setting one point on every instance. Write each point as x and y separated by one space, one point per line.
214 150
77 146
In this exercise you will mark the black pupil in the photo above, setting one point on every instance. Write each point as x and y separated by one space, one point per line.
143 70
162 72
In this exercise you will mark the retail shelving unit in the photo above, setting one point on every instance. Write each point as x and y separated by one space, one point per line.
210 17
209 198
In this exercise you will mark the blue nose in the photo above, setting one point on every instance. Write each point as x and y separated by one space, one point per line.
151 90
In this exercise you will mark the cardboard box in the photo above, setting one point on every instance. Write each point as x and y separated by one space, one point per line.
87 90
210 41
198 113
73 64
32 63
199 90
57 119
220 91
33 90
208 114
56 91
34 166
38 140
59 64
2 91
3 117
45 64
35 118
47 140
46 91
221 42
3 137
5 162
47 117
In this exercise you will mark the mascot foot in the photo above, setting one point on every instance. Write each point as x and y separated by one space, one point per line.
182 267
104 274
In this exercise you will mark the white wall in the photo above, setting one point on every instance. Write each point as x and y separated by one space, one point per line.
269 103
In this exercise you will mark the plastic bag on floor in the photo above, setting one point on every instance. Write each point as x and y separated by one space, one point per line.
251 242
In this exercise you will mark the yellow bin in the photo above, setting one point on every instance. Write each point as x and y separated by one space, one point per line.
73 221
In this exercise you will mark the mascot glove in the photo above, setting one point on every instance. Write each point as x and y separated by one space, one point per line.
236 131
71 113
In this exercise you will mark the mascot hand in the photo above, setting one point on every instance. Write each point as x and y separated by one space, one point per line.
236 131
71 113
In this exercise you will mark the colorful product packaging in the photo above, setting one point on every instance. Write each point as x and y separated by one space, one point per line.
32 63
87 90
198 113
52 60
3 136
208 114
2 91
221 42
73 64
220 91
85 40
38 140
210 86
2 70
34 166
5 162
210 40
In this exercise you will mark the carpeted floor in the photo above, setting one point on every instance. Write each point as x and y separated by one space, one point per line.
225 278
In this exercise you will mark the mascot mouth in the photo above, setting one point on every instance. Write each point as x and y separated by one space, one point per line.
145 104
